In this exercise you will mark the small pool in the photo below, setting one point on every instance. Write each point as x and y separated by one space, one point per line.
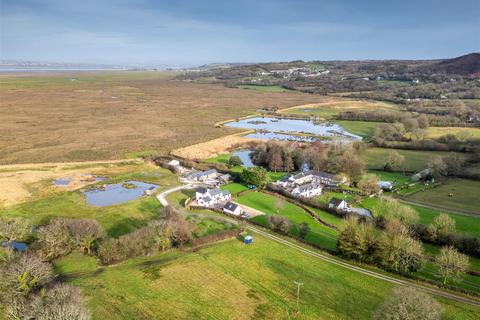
61 182
118 193
83 179
244 155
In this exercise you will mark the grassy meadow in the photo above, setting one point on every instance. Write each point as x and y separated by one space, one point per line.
320 235
466 196
415 160
360 128
116 219
230 280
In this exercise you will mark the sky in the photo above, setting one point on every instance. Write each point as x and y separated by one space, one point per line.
193 32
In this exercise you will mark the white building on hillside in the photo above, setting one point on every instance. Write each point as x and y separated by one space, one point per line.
212 197
307 190
232 208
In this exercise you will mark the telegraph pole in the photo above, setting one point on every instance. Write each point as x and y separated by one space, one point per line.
299 284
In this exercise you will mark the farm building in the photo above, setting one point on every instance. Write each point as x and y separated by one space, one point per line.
204 175
310 176
211 197
307 190
339 204
386 185
232 208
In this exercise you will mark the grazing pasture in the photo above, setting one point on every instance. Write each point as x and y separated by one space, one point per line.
415 160
465 196
230 280
319 235
437 132
361 128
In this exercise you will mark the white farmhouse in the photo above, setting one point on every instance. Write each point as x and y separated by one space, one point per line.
232 208
204 175
310 176
211 197
339 204
307 190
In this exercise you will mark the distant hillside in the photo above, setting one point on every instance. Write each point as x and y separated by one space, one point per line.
468 64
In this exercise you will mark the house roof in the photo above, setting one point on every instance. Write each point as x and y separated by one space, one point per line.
309 186
207 199
335 201
214 192
225 176
199 174
202 190
230 206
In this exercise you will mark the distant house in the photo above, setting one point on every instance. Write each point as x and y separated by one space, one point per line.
204 175
307 190
232 208
174 163
310 176
386 185
211 197
339 204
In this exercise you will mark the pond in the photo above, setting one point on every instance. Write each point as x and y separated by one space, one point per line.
244 155
279 129
118 193
77 180
279 137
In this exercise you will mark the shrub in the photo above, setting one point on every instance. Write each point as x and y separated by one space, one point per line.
279 224
407 303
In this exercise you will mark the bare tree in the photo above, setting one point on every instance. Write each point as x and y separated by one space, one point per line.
394 161
84 233
442 226
23 274
63 302
452 264
14 228
407 303
55 239
369 185
279 224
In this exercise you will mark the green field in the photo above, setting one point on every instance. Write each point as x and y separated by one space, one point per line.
397 177
234 188
116 219
230 280
465 224
436 132
360 128
466 196
263 88
320 235
414 160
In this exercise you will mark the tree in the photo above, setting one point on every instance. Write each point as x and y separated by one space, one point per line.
454 164
356 240
442 226
257 176
62 302
452 264
303 230
23 273
275 162
369 185
394 161
438 166
398 252
423 122
279 224
14 228
84 233
406 304
389 208
288 164
55 239
235 161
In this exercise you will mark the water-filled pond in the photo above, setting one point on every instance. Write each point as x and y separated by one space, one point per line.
244 155
87 178
117 193
279 129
